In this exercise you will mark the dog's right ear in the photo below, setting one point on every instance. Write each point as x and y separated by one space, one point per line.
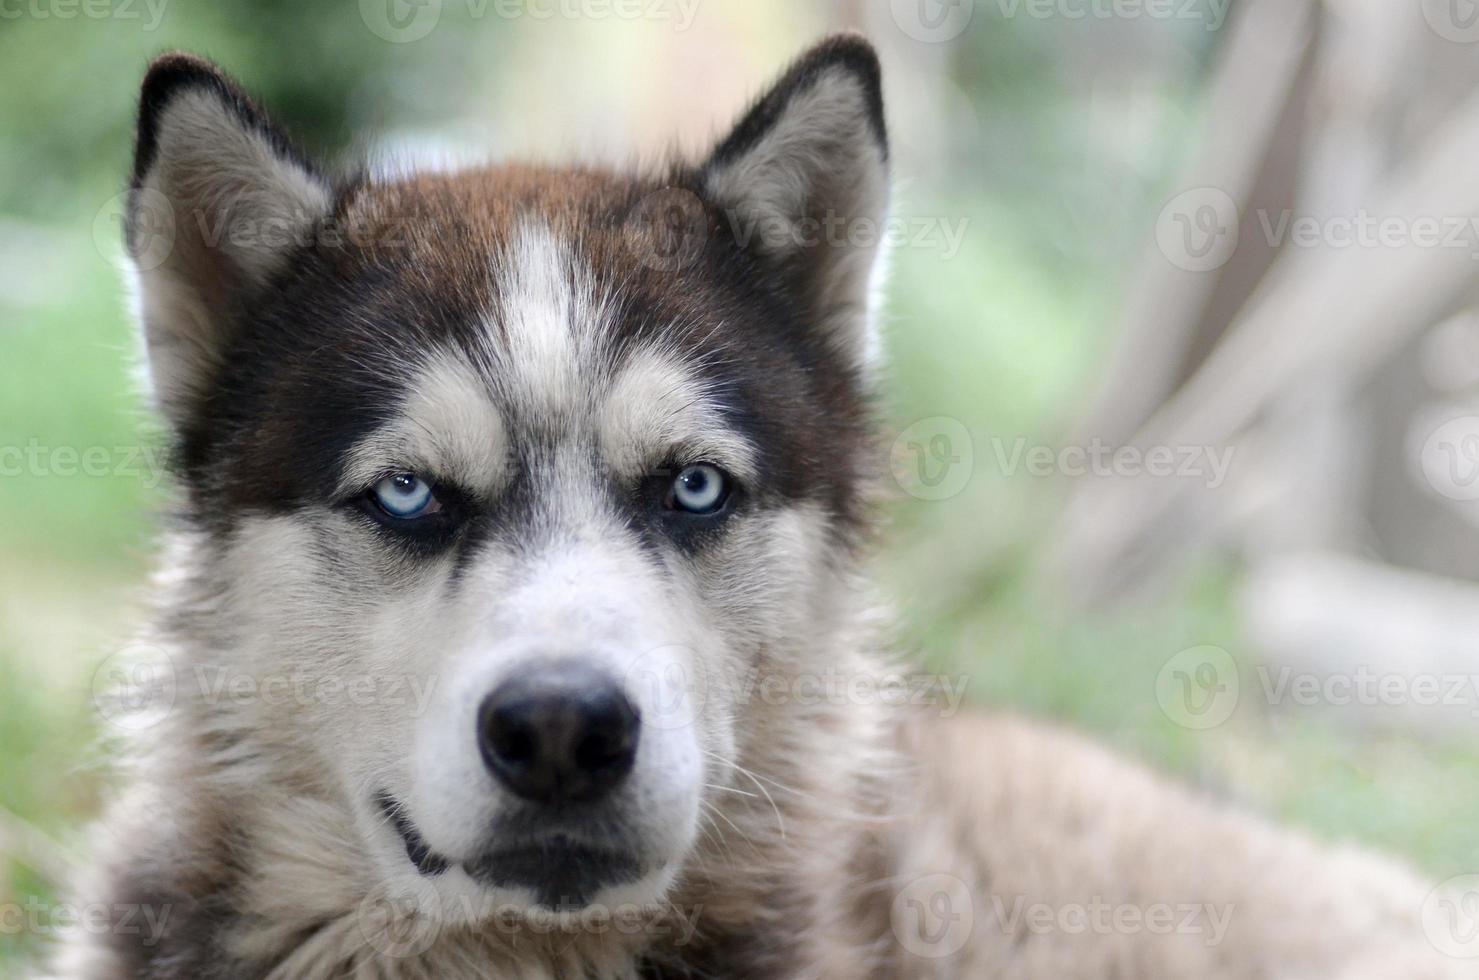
814 149
219 198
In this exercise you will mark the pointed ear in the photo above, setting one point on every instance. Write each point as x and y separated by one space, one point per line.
219 198
803 182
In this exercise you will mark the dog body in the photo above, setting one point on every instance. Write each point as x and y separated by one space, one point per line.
523 512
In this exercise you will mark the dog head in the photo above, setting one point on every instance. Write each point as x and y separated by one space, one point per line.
502 477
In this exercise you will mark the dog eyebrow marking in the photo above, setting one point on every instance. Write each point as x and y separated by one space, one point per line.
547 329
658 409
448 428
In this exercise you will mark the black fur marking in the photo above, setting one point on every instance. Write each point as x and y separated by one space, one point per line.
778 380
177 72
195 906
421 856
848 52
310 370
563 873
769 952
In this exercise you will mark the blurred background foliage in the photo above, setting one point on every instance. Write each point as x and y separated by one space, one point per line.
1054 140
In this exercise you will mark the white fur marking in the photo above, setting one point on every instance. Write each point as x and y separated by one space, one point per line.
449 428
658 408
550 322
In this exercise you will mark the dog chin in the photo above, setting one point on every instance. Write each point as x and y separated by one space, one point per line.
550 873
457 899
538 904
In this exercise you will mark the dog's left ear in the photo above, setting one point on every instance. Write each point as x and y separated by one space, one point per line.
219 199
802 181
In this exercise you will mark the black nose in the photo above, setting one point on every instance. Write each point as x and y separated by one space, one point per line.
559 732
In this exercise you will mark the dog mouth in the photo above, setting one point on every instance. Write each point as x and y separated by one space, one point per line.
420 853
563 872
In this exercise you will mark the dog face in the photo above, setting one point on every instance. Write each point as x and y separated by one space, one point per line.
508 475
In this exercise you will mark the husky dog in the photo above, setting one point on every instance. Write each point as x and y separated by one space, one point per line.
522 511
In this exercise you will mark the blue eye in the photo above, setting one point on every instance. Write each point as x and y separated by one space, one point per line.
700 489
405 496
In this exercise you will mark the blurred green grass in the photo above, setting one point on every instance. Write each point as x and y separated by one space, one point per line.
65 386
